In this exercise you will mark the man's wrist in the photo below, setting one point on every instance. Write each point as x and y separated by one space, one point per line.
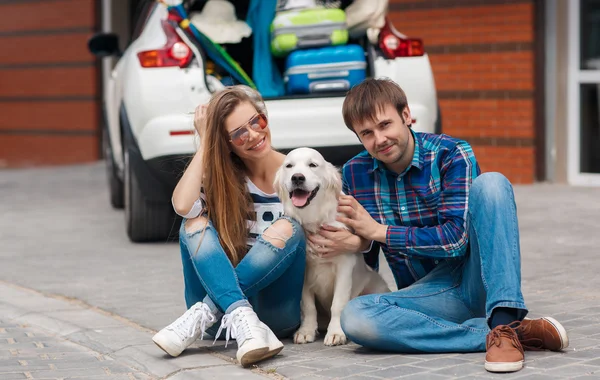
380 233
365 244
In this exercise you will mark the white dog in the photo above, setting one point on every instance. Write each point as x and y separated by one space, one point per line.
309 187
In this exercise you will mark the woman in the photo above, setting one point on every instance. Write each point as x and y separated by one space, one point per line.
242 260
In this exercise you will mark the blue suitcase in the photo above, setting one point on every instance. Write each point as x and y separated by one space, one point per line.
327 69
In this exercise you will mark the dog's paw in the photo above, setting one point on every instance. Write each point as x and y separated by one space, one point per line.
304 336
335 338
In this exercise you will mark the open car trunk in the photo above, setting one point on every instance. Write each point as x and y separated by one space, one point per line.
243 53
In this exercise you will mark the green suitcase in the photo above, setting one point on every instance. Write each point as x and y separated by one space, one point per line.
307 28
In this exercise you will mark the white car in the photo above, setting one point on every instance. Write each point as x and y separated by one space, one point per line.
160 79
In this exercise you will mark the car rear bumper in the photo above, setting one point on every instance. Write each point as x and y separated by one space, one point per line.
312 122
165 136
168 135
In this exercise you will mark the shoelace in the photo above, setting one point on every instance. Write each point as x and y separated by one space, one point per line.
506 332
189 322
236 327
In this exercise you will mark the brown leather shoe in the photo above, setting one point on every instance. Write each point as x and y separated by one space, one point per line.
542 334
504 351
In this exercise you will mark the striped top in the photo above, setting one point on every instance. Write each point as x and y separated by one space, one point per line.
267 208
425 207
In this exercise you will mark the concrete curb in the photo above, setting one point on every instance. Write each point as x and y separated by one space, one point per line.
116 337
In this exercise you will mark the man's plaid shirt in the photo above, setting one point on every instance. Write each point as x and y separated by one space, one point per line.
425 206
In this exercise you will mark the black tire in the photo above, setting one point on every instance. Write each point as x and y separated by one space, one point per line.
145 220
438 122
115 183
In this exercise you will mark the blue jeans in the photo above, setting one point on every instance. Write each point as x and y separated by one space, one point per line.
268 278
448 310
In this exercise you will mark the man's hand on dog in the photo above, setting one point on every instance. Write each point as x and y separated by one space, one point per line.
360 220
332 241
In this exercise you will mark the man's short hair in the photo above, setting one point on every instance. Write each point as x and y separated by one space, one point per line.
365 99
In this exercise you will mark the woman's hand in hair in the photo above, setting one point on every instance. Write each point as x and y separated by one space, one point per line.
200 119
187 191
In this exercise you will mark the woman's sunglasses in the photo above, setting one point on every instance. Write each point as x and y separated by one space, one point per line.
241 135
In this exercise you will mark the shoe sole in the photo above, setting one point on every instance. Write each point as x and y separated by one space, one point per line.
258 355
503 366
255 356
275 351
562 333
165 347
275 346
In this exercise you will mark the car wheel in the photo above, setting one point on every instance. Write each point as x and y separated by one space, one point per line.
115 183
145 221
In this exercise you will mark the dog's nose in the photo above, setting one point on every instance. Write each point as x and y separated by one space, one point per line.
298 179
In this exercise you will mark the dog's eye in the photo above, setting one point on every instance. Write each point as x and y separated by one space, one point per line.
288 166
313 165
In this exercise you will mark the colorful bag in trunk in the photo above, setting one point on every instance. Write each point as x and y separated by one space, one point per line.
307 28
328 69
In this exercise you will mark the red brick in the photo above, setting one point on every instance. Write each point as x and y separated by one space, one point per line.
57 48
28 150
517 164
483 71
488 118
467 25
49 82
54 116
59 14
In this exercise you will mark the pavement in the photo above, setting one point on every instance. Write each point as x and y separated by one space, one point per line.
79 301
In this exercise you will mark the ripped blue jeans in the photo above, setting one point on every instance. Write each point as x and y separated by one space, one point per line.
268 278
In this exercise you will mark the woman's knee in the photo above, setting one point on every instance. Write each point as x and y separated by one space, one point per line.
194 225
197 236
284 231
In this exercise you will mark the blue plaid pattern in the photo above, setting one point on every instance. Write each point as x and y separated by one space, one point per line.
425 207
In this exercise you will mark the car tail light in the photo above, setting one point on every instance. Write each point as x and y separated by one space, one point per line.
181 132
174 53
395 44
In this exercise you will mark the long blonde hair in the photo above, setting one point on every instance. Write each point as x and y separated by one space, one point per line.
228 201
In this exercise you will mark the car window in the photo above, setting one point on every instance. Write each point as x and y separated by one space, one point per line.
140 13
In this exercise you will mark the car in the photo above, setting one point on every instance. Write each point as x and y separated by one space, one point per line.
160 78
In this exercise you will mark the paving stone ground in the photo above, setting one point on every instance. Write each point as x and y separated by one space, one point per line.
28 352
78 300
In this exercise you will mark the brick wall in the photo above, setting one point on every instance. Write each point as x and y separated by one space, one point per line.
49 87
483 57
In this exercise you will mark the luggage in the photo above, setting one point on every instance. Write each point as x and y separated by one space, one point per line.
307 28
328 69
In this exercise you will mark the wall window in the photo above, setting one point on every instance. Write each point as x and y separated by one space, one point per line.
589 160
583 95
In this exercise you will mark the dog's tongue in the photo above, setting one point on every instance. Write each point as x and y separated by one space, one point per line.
300 197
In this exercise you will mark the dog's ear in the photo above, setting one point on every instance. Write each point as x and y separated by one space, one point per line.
333 178
278 184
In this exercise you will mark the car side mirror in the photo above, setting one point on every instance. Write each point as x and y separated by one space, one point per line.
104 45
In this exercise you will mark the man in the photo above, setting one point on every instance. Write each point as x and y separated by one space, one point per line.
449 234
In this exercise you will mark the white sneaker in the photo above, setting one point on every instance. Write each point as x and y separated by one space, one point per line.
176 337
255 340
275 345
